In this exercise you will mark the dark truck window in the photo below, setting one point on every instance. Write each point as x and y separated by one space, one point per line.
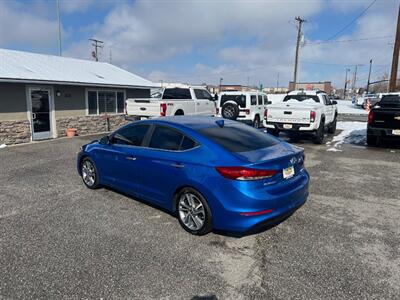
239 99
260 100
177 93
300 97
238 137
202 94
390 101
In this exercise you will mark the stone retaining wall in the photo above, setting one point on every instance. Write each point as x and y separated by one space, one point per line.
89 124
15 132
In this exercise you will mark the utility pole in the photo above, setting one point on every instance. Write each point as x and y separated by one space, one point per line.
96 44
345 84
110 57
353 85
369 75
277 82
300 22
220 85
59 27
395 60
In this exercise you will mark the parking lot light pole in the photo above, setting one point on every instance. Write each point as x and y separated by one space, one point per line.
369 75
220 84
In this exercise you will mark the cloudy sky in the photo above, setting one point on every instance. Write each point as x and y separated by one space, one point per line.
201 41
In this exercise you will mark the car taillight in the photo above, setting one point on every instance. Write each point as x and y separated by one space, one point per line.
217 110
266 114
243 173
163 109
370 117
312 116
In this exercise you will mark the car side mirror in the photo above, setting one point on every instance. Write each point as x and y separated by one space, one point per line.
334 102
105 140
269 102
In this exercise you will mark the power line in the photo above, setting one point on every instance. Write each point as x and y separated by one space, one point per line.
350 40
352 21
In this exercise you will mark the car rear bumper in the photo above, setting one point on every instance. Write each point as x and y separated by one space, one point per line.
382 132
272 209
295 127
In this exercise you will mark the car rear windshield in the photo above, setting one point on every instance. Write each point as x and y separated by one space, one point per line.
177 93
301 97
239 99
390 101
238 137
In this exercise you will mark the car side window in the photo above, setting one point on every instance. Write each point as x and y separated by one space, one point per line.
327 101
166 138
253 100
260 100
202 94
131 135
265 99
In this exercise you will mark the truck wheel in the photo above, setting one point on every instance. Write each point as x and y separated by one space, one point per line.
320 134
230 111
372 140
179 112
274 132
256 122
332 127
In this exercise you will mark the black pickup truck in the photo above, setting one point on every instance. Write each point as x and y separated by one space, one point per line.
384 120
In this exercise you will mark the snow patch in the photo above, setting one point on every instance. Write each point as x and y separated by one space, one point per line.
346 107
352 133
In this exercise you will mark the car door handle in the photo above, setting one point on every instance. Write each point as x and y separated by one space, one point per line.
177 165
130 158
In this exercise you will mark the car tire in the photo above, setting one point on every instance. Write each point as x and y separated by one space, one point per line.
256 122
89 173
320 134
230 111
332 127
372 140
193 212
274 132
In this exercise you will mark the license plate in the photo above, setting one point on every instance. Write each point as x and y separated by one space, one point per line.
396 131
288 172
287 126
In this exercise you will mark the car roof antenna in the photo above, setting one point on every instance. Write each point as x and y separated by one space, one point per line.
220 123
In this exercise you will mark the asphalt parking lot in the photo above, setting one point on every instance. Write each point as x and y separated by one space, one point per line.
60 239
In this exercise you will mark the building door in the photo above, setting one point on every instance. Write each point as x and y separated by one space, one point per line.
40 113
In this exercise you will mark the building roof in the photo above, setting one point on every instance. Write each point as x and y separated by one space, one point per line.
18 66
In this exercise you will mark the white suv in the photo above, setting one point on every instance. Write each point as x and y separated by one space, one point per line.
247 107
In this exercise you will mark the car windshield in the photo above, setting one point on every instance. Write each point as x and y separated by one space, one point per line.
301 98
238 137
390 101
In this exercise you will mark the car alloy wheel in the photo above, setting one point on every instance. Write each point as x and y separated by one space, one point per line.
229 112
191 212
89 173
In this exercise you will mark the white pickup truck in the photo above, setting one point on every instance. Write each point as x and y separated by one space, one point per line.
186 100
302 112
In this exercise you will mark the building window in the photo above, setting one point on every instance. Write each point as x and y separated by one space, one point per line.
101 102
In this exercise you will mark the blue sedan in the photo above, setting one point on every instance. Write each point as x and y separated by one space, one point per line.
212 173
